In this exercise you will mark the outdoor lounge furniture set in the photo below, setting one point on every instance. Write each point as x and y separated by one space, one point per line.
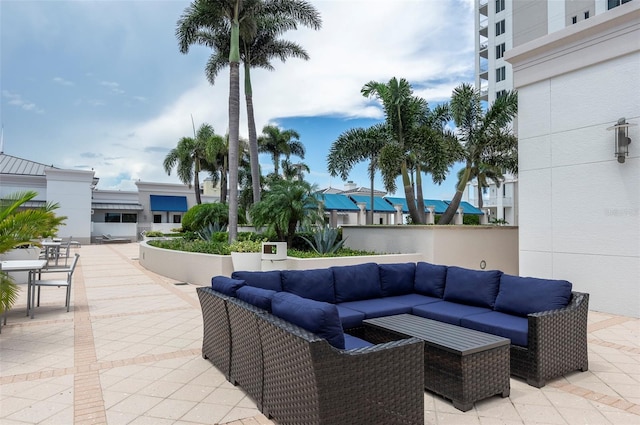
358 344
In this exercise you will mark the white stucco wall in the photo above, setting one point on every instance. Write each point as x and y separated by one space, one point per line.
579 208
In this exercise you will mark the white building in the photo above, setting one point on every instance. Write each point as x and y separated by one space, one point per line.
579 209
499 203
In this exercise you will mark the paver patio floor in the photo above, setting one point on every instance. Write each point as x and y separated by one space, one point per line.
129 352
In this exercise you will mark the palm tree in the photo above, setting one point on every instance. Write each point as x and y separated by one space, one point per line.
231 16
295 171
483 173
286 204
218 153
356 145
18 226
191 156
484 137
278 142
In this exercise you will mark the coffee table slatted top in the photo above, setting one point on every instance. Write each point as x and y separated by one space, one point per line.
445 336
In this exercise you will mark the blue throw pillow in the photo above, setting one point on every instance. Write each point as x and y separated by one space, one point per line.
430 279
226 285
264 280
397 279
320 318
358 282
259 297
314 284
525 295
472 287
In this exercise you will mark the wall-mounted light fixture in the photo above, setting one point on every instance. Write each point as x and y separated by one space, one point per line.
622 139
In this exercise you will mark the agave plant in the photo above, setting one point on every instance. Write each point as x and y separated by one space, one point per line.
18 227
325 240
208 233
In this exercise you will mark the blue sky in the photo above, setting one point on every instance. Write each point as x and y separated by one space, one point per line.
101 85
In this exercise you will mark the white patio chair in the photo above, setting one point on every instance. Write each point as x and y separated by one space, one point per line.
54 282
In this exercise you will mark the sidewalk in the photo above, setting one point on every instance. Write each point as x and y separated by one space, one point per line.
128 352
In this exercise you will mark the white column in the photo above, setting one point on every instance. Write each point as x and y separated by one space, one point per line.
431 217
398 215
362 214
459 216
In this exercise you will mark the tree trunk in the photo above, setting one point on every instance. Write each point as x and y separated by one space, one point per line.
408 193
196 182
480 201
224 180
420 196
455 202
234 124
253 137
371 200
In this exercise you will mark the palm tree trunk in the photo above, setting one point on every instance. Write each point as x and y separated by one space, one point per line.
371 200
196 182
480 201
234 123
455 202
408 193
224 180
253 137
420 196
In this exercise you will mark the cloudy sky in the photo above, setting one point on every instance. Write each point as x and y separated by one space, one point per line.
101 84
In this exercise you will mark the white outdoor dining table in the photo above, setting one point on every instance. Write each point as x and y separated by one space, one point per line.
31 266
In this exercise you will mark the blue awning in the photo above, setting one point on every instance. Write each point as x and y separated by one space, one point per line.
168 203
379 204
337 202
440 206
467 208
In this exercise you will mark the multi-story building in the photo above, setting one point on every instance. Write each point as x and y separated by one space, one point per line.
504 24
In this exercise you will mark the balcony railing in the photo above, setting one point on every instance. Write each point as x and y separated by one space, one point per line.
505 201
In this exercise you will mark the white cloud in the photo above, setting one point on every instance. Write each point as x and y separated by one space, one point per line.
16 99
62 81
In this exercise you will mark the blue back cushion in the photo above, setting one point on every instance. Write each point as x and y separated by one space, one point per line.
397 279
430 279
226 285
259 297
472 287
264 280
315 316
359 282
314 284
526 295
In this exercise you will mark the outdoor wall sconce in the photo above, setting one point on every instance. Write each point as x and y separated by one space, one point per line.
622 139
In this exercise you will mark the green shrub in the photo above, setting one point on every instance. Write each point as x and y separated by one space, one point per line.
325 240
246 246
200 216
154 234
344 252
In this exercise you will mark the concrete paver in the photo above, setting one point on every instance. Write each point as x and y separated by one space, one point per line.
129 352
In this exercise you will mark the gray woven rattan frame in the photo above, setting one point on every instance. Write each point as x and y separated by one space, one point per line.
216 339
557 343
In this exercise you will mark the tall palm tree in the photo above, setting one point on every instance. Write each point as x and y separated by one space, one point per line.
483 173
484 137
356 145
295 171
278 142
218 153
191 156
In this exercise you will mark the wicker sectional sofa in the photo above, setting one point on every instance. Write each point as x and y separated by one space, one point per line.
284 335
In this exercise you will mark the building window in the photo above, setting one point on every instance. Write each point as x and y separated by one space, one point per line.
574 19
120 218
500 48
177 218
157 218
500 27
112 217
129 218
586 15
500 93
499 5
615 3
501 74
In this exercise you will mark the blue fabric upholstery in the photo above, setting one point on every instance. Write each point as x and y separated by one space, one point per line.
314 284
256 296
264 280
315 316
226 285
349 318
430 279
508 326
377 307
397 279
413 299
351 342
526 295
358 282
447 312
472 287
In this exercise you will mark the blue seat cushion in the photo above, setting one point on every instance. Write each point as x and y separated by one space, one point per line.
505 325
447 312
413 299
357 282
397 279
351 342
315 316
430 279
377 307
315 284
526 295
256 296
226 285
349 318
472 287
264 280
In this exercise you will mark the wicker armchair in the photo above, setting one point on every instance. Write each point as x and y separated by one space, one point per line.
216 339
557 343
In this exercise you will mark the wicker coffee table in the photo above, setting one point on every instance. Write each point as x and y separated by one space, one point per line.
460 364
